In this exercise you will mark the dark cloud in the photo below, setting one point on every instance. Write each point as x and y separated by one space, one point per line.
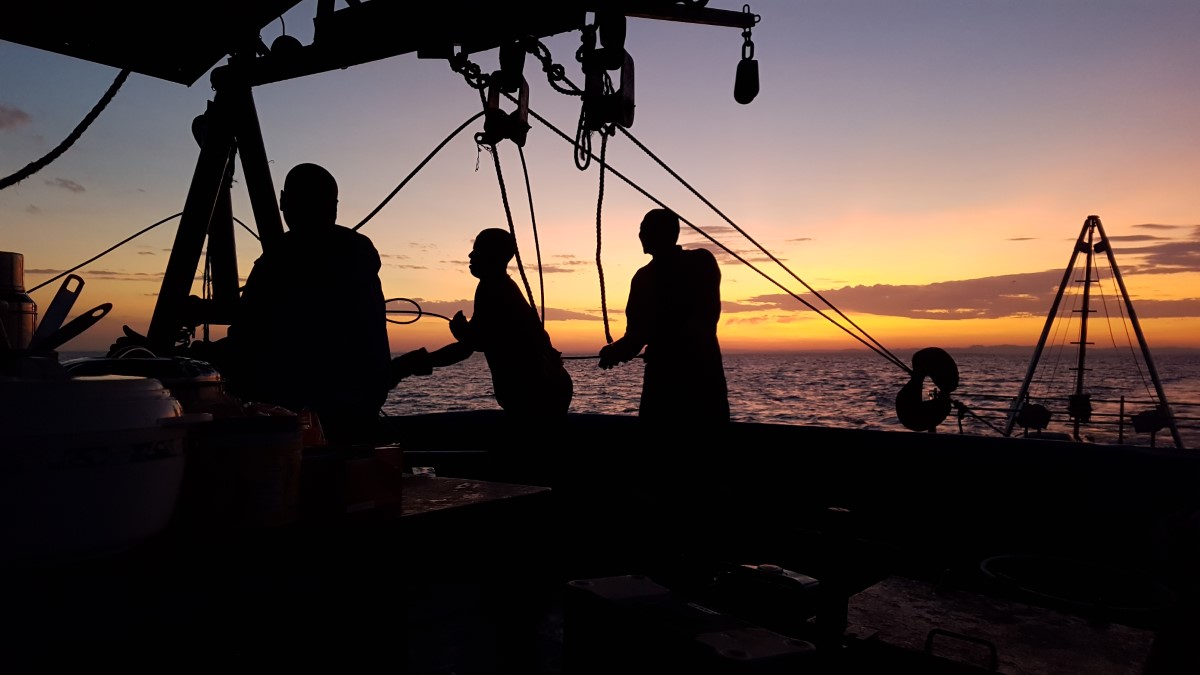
109 275
549 269
553 314
146 253
11 118
1155 226
1021 239
33 209
1166 257
729 307
567 260
66 184
1014 295
735 256
1137 238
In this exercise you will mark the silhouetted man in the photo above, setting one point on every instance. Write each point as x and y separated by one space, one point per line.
528 376
673 307
311 331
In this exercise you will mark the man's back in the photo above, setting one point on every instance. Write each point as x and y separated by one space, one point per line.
313 328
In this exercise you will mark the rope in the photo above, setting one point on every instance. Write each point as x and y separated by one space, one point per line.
599 266
583 155
246 228
418 311
537 244
420 166
511 227
104 253
760 247
38 165
734 255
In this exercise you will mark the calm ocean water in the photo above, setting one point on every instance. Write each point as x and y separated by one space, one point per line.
857 389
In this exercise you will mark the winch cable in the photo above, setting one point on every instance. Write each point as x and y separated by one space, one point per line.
554 75
122 243
887 355
419 166
39 164
110 249
760 247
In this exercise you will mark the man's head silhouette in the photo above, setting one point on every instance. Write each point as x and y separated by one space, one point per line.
659 231
491 252
309 197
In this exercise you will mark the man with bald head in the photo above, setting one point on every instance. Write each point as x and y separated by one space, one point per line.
311 331
528 376
672 311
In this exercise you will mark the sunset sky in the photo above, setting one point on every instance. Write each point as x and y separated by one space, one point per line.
926 165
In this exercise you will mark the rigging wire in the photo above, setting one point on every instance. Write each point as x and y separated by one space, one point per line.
247 228
105 252
122 243
537 244
37 165
760 247
1125 322
733 254
583 155
420 166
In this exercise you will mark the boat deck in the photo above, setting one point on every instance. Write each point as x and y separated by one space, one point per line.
470 575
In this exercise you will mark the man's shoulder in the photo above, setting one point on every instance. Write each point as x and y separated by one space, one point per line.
338 240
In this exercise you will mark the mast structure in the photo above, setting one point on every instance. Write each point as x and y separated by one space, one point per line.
1091 241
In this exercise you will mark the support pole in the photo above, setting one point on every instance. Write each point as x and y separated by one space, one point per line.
1080 245
208 180
1137 330
231 127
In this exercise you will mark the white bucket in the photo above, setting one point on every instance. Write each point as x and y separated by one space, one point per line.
87 465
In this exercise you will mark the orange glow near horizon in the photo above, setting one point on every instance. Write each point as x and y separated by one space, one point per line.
905 165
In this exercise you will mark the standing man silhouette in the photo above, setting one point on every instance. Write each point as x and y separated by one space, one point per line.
673 307
311 330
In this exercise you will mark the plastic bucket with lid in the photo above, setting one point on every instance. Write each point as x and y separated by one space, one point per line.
87 465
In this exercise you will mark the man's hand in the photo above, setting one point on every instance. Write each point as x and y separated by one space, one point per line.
416 362
130 344
458 326
608 357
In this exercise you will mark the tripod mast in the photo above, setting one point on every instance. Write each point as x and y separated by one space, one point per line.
1079 406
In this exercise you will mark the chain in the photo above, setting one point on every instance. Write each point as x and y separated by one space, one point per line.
747 43
471 72
555 72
